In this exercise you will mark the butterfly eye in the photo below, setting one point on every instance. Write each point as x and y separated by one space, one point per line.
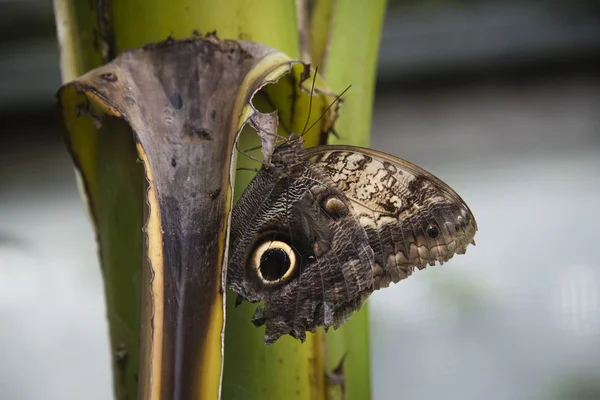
433 231
274 261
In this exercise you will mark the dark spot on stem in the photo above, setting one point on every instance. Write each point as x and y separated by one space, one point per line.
197 133
214 194
173 163
176 101
109 77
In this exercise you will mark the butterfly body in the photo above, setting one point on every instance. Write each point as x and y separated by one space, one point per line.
318 230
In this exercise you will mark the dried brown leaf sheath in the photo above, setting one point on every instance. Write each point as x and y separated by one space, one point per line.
184 102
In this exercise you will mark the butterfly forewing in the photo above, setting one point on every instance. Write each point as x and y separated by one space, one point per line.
412 218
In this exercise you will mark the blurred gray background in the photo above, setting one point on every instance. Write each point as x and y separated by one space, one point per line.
501 99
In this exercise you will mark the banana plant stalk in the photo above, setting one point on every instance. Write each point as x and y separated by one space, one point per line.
151 132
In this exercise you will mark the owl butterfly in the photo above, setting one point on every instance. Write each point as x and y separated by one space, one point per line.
320 229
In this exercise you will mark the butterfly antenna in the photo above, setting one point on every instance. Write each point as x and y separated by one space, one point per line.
337 99
312 88
247 169
260 146
237 147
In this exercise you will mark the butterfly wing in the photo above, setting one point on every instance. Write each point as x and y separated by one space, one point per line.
313 236
411 217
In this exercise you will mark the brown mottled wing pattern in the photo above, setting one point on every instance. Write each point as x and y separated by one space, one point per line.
411 217
319 230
